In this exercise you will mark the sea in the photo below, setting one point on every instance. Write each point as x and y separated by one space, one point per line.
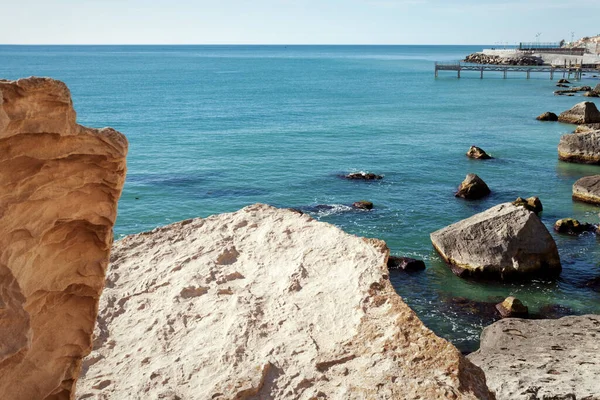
215 128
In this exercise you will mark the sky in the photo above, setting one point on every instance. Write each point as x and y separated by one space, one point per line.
492 22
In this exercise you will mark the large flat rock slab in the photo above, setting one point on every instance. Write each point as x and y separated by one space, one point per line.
542 359
582 147
59 187
587 189
506 242
263 303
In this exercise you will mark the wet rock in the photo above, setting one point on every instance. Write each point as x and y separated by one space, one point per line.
582 147
363 205
587 189
478 153
367 176
405 263
581 113
593 284
547 116
541 359
506 242
561 85
531 203
563 81
512 307
553 311
591 94
472 188
571 226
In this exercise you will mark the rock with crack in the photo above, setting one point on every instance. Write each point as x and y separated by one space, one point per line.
506 242
299 310
59 186
542 359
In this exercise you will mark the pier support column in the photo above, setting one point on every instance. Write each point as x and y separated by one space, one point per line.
528 71
481 77
458 73
504 73
551 73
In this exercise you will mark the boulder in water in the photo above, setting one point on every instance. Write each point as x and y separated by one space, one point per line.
531 203
405 263
506 242
581 113
582 147
478 153
572 226
472 188
367 176
563 81
547 116
587 189
363 205
512 307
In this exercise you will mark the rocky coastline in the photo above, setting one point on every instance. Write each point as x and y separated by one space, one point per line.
260 303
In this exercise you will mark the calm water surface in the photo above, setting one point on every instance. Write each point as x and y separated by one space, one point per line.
215 128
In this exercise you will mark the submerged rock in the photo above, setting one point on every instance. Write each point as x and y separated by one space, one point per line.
512 307
583 147
587 189
405 263
563 81
472 188
531 203
59 185
363 205
367 176
506 242
571 226
264 303
541 359
547 116
478 153
581 113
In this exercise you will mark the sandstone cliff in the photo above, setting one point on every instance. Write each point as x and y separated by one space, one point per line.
59 186
263 303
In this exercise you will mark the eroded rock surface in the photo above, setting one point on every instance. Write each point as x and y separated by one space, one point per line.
472 188
582 147
587 189
263 303
542 359
505 242
59 186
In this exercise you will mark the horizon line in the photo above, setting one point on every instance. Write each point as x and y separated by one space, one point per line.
249 44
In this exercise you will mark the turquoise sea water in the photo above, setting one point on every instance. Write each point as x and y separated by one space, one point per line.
215 128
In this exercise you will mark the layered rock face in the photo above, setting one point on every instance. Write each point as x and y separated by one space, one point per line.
583 147
59 186
587 189
581 113
263 303
505 242
542 359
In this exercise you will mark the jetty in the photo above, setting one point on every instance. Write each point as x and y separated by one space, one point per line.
458 67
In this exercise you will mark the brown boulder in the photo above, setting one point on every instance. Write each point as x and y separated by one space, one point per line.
478 153
581 113
472 188
367 176
582 147
531 203
547 116
60 183
363 205
571 226
512 307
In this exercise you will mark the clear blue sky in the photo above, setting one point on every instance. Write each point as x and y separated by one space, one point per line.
295 21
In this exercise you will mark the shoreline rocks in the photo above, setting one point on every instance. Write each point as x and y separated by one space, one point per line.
480 58
512 307
570 226
587 189
582 147
581 113
506 242
264 303
60 183
541 359
478 153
